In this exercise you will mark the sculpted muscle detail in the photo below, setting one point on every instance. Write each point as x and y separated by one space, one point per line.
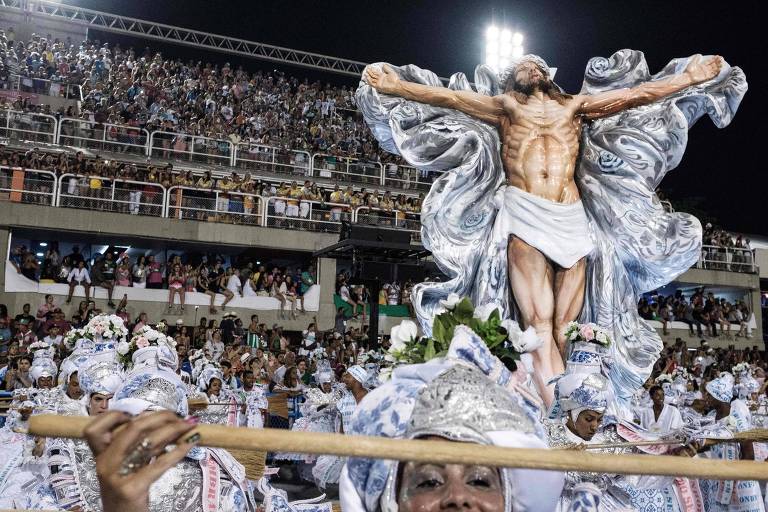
540 144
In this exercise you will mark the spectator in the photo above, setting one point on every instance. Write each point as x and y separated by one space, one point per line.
105 269
139 272
176 285
46 309
17 376
154 273
79 277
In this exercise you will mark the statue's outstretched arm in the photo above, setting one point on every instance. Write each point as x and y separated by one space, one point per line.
487 108
611 102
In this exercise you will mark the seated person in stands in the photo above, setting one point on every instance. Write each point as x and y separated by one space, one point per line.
79 277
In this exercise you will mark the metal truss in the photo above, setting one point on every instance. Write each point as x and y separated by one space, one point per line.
171 34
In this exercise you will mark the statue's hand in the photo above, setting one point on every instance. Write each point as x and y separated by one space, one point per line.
701 70
384 80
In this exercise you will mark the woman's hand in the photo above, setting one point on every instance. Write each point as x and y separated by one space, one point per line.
130 459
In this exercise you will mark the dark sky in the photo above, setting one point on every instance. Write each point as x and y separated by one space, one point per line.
723 172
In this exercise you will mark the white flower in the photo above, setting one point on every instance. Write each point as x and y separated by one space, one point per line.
450 302
439 310
602 337
528 341
484 312
512 328
385 374
401 334
122 348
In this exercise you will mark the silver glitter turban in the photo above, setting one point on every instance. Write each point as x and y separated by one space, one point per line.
462 404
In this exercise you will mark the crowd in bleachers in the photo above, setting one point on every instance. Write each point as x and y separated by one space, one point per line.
711 316
90 179
147 90
726 251
245 277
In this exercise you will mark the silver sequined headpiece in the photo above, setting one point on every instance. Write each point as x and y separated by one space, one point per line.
462 404
103 377
151 390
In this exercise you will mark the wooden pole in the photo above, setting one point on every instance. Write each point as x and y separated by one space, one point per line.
437 452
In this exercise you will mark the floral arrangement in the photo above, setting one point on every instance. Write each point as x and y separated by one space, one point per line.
107 327
39 345
664 377
680 373
588 333
505 339
742 367
143 338
71 337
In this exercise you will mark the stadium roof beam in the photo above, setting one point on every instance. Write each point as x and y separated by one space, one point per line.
147 29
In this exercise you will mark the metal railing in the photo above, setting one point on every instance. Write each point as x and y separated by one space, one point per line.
406 177
111 195
214 205
390 218
25 186
285 212
271 159
730 259
347 169
21 126
116 138
184 147
45 87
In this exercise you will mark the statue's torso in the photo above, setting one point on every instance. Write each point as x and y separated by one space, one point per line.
540 145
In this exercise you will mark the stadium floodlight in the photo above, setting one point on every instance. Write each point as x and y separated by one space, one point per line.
502 46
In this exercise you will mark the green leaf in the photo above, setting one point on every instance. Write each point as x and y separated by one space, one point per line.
429 351
463 311
494 320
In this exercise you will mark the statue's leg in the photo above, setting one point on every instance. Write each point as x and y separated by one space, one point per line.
569 298
532 279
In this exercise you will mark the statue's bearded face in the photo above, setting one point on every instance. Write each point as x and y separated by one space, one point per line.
527 78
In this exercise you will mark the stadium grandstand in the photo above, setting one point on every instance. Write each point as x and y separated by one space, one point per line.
196 194
148 135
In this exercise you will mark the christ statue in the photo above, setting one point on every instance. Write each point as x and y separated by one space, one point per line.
546 231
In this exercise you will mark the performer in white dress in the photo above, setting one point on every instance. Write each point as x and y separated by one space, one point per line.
661 417
732 416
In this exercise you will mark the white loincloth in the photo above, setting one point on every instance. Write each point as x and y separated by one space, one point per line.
559 231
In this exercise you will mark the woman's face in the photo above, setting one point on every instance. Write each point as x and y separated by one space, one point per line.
214 387
434 487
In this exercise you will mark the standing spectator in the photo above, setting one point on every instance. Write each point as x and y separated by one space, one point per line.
176 282
139 272
234 285
123 273
51 261
227 327
106 271
79 277
154 273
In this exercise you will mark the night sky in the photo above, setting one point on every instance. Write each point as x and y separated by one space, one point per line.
722 176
